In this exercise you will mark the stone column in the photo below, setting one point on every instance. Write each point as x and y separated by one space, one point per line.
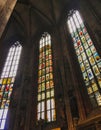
6 8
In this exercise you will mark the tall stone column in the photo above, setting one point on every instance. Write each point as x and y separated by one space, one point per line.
2 3
6 8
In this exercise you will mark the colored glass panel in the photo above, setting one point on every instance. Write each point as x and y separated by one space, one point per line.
88 57
45 80
7 80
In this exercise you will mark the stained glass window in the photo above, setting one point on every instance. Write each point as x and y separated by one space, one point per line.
46 101
88 57
7 80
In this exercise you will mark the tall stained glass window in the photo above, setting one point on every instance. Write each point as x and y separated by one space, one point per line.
7 81
46 101
88 57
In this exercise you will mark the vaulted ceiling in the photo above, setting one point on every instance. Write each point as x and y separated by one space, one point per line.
46 10
31 17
